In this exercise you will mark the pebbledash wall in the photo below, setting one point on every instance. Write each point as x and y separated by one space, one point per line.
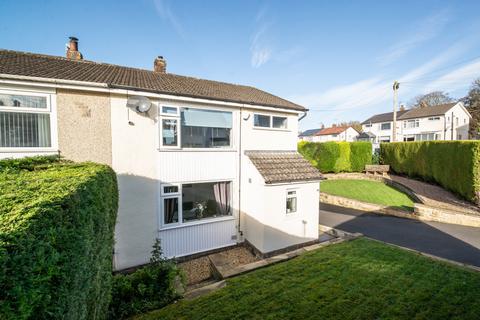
87 113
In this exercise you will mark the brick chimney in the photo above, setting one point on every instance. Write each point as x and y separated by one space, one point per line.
72 49
160 65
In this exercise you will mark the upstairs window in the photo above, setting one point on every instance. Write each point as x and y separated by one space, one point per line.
434 118
24 121
411 124
266 121
205 128
195 128
260 120
368 125
385 126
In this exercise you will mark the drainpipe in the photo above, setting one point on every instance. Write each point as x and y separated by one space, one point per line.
240 232
303 116
452 128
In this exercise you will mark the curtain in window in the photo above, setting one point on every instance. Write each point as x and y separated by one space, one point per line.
170 209
222 197
24 130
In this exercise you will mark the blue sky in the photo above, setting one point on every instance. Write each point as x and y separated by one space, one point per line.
337 58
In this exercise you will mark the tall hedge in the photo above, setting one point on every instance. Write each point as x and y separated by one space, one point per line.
337 156
454 165
56 238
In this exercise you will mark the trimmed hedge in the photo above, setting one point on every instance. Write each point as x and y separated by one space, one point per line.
454 165
337 156
56 239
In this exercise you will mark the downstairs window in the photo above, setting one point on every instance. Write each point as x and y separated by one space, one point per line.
196 201
24 121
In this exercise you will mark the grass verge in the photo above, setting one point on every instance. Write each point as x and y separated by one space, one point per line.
368 191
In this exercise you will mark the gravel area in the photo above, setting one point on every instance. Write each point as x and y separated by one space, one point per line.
236 257
196 270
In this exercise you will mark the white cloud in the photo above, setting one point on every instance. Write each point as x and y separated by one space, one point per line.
260 50
166 13
458 78
421 32
375 90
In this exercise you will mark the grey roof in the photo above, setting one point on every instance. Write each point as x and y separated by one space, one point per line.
383 117
283 166
411 113
54 67
427 111
366 135
310 132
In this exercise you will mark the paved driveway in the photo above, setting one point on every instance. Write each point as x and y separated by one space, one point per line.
449 241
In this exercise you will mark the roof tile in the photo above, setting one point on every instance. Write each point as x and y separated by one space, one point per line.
53 67
283 166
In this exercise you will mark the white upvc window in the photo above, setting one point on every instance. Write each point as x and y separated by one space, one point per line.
434 118
291 203
25 121
195 128
385 126
169 127
269 121
411 123
194 202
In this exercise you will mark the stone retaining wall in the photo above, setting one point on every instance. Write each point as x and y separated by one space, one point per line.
421 211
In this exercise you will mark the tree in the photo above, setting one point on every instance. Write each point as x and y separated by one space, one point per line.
354 124
431 99
472 102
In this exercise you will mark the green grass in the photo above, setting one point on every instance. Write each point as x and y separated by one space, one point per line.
368 191
359 279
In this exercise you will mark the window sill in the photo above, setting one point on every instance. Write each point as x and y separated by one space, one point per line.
272 129
196 223
196 150
28 150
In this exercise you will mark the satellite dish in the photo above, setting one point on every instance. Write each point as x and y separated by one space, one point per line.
139 103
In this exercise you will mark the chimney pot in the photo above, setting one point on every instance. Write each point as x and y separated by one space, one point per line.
160 65
72 50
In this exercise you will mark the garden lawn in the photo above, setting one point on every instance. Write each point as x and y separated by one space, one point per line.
368 191
359 279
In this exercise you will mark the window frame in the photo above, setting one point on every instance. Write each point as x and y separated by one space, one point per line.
50 109
178 117
385 123
165 114
287 197
270 127
179 195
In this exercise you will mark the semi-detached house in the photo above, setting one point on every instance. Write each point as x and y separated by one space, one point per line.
201 164
442 122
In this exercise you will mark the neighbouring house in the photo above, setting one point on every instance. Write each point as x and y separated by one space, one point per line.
329 134
442 122
308 135
201 164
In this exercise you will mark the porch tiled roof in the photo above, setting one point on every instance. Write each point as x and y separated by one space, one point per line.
283 166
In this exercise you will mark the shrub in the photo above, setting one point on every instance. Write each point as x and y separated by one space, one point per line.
148 288
337 156
452 164
56 239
